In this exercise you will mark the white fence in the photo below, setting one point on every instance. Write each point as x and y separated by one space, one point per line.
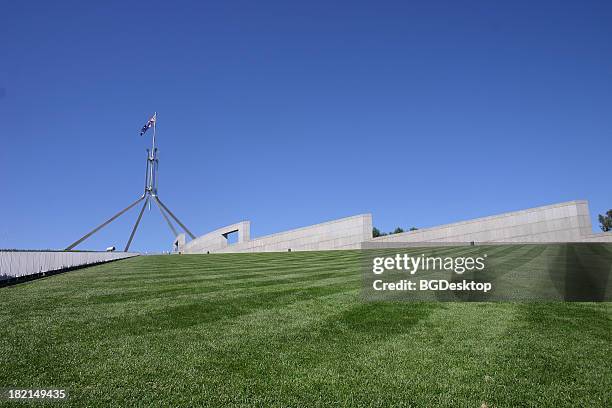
15 264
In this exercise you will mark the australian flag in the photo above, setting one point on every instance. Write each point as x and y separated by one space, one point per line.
149 123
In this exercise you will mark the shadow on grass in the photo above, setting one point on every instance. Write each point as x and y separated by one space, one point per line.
386 318
587 274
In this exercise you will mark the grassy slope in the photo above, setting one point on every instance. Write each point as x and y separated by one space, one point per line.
290 329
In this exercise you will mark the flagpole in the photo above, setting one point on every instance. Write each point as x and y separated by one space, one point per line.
154 124
150 194
152 161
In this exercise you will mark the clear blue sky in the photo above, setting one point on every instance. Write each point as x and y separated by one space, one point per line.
292 113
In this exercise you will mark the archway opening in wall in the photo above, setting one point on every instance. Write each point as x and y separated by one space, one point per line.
232 237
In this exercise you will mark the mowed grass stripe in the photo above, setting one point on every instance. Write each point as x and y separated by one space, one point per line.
191 268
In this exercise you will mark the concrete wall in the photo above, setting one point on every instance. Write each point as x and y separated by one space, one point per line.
344 233
15 264
217 240
563 222
598 237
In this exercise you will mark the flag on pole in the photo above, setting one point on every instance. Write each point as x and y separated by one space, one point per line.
149 123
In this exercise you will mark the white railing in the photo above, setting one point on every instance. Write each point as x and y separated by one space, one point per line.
14 264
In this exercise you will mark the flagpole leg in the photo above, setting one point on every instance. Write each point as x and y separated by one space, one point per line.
161 210
156 198
104 224
127 246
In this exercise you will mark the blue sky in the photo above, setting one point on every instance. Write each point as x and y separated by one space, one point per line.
293 113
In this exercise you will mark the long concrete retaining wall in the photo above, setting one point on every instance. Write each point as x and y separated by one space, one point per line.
344 233
563 222
16 264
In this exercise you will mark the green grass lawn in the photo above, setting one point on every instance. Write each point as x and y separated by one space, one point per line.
290 330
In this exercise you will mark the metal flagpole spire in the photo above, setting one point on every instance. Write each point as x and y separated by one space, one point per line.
150 194
154 127
153 160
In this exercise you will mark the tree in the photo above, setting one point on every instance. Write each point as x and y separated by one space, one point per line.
375 232
413 229
606 221
398 230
